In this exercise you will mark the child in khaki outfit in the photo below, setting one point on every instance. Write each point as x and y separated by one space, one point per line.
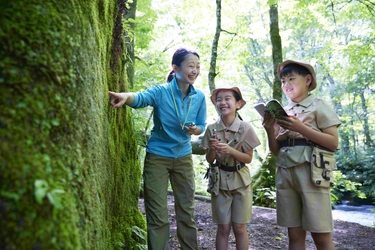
229 144
302 206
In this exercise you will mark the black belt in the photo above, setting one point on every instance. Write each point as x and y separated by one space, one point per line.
293 142
231 168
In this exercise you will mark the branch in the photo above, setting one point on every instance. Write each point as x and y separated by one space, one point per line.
370 6
231 33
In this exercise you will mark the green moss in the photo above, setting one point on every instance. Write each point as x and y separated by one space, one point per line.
69 168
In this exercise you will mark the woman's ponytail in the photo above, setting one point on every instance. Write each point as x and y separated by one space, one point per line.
170 76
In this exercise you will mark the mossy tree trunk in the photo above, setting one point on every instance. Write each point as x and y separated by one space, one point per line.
264 180
277 52
69 169
129 43
212 72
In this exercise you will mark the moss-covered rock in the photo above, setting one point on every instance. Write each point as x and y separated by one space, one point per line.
69 170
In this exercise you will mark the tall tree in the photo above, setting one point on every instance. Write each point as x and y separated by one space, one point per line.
214 48
129 41
277 53
264 179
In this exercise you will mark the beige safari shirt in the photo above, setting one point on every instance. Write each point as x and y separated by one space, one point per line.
241 136
314 113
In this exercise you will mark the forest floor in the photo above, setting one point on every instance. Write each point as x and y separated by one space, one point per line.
264 233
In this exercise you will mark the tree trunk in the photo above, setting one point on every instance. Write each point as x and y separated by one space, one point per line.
129 44
368 140
215 42
265 178
277 53
69 169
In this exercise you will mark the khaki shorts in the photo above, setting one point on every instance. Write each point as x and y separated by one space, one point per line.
232 206
300 203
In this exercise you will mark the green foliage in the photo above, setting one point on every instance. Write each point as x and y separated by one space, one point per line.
265 197
42 190
359 168
337 39
264 183
140 238
343 187
69 169
137 241
200 168
144 23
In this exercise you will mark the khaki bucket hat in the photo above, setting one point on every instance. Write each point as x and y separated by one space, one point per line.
214 94
304 64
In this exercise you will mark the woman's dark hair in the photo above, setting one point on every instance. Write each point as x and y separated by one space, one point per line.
293 67
178 58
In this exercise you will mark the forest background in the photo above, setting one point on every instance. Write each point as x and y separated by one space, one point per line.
70 167
336 37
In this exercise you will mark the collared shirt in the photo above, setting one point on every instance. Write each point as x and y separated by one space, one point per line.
313 112
241 136
168 137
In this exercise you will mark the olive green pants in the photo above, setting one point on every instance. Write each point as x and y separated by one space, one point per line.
157 171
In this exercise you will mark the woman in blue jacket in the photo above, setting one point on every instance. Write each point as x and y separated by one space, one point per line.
179 112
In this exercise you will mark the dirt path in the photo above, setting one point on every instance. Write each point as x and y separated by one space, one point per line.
263 232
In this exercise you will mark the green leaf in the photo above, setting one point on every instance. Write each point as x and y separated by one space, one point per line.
55 122
54 198
41 187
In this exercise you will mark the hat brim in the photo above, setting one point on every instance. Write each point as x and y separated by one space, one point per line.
303 64
214 95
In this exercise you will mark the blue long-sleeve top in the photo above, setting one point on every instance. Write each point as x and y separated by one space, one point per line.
168 136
